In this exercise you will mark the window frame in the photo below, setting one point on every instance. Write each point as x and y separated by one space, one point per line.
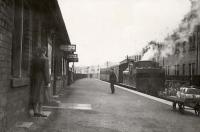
19 76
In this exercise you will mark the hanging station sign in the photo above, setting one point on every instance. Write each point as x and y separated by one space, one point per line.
72 57
68 48
73 60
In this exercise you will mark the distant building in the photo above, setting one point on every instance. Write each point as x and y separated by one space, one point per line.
108 64
92 71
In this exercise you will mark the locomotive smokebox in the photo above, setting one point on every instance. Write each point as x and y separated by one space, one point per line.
149 77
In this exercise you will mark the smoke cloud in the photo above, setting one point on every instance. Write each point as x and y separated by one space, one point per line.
179 38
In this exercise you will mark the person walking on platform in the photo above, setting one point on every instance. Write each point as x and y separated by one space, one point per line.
112 79
40 80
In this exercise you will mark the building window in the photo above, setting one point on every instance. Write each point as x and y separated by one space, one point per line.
184 49
193 69
140 57
21 40
62 66
50 58
168 70
26 39
183 69
174 69
177 50
177 70
190 69
192 42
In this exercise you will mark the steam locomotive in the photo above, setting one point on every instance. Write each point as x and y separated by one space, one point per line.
145 76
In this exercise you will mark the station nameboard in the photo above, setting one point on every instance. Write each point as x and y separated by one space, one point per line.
68 48
73 60
72 57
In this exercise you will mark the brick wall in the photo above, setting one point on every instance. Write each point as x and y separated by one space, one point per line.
5 57
17 104
13 100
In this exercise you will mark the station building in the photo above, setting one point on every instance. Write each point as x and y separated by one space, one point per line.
183 64
24 26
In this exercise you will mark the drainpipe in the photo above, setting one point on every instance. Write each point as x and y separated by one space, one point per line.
197 43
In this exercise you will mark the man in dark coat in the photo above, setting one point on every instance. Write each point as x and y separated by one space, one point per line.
40 80
113 79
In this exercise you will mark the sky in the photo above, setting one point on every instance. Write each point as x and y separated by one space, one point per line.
109 30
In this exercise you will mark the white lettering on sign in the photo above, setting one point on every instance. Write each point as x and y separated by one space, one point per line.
68 48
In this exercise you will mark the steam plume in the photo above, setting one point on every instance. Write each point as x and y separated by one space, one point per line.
179 37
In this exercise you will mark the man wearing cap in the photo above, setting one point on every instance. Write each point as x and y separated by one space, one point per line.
112 80
40 80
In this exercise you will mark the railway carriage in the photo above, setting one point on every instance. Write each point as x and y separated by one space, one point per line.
105 72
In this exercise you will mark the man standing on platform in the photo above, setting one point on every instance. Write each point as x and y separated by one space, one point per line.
113 79
40 80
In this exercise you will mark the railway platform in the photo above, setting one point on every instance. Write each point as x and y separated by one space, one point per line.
88 106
